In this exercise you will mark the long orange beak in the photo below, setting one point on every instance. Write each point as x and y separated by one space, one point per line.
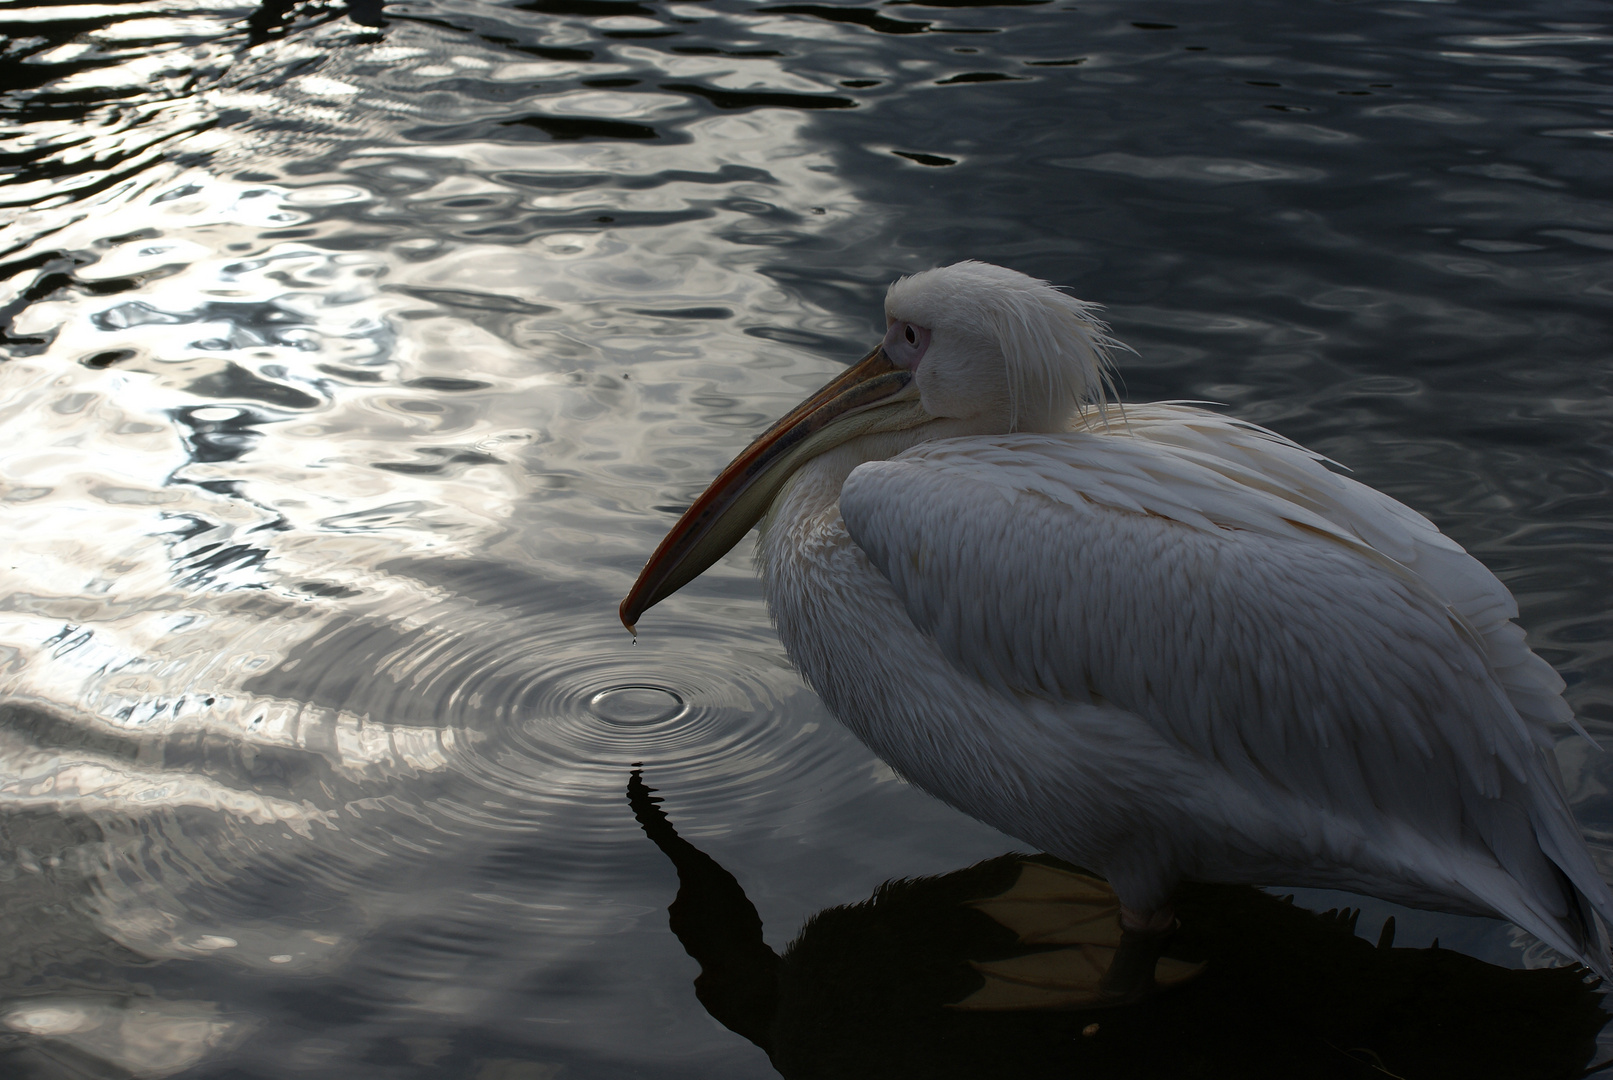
743 491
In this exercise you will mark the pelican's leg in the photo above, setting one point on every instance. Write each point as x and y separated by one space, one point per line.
1143 935
1112 954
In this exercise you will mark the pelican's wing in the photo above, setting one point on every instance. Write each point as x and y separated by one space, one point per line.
1255 458
1285 623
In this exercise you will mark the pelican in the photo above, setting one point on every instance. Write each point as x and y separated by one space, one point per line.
1154 641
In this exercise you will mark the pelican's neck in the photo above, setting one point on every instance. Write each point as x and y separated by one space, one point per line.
815 487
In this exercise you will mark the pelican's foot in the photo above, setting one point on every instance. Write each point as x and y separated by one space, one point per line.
1115 955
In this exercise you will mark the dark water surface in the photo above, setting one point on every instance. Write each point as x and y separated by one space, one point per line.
355 359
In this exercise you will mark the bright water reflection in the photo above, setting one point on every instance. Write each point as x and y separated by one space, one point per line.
353 369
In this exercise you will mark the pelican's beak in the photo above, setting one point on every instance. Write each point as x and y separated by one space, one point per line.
850 405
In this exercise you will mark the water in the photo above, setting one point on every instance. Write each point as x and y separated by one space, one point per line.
355 359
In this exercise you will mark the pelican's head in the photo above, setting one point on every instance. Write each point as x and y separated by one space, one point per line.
973 344
985 342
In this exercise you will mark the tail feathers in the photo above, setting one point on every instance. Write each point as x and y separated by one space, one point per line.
1585 934
1598 948
1564 902
1587 919
1542 877
1574 928
1590 901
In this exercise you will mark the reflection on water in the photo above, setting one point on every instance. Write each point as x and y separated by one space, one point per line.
148 1039
354 360
962 975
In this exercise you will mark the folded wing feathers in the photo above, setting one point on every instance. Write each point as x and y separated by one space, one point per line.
1325 645
1225 594
1259 460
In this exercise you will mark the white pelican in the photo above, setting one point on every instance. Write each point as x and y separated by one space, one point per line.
1153 641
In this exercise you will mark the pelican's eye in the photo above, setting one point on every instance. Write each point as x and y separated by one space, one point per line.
905 343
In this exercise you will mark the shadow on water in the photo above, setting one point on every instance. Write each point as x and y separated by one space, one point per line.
887 987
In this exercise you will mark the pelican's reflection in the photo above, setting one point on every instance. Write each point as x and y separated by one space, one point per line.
990 971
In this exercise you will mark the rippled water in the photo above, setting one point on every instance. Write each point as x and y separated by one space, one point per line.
355 359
